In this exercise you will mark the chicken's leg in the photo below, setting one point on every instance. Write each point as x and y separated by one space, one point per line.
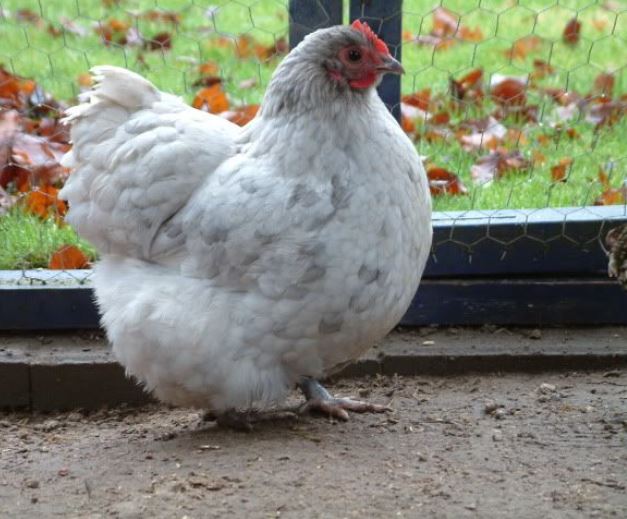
320 400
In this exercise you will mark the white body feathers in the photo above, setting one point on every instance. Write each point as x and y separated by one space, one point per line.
235 261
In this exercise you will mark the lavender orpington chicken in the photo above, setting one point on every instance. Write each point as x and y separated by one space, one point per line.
236 262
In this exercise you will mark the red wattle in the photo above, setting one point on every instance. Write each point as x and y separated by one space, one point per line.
364 82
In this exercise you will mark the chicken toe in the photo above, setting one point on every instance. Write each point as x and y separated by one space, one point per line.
321 401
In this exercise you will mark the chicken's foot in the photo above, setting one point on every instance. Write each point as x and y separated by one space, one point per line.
321 401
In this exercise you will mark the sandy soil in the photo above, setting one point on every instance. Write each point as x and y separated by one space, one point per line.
551 445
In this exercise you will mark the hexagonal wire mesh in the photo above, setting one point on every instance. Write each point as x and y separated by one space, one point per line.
515 105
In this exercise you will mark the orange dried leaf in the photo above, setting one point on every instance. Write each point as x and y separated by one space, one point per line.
408 36
244 46
85 80
445 23
543 139
208 68
497 164
44 203
29 16
599 24
241 115
572 32
538 158
523 46
560 170
468 88
118 25
440 118
473 35
408 124
278 48
160 15
611 196
68 257
509 92
604 84
211 99
419 99
541 69
443 182
160 41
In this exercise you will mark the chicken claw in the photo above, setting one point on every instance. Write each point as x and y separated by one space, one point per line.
321 401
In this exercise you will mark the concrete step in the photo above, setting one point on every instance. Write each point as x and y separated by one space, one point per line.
65 371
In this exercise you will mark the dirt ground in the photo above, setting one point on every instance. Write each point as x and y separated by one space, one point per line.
541 446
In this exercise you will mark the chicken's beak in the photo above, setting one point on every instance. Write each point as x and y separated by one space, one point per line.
390 65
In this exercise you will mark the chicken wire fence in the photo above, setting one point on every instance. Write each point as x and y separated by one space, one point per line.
516 106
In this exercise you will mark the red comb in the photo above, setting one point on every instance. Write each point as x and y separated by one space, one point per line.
365 29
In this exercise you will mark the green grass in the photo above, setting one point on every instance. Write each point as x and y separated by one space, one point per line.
27 241
56 63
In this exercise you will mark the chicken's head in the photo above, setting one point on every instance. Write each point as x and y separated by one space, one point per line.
329 70
359 58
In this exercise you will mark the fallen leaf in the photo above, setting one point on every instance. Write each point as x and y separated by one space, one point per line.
211 99
440 118
407 124
523 46
15 91
538 158
85 80
572 32
541 69
446 31
413 113
445 23
28 16
68 257
559 171
443 182
208 68
161 15
161 41
408 36
469 87
419 99
605 112
497 164
508 92
43 202
241 115
486 134
611 196
599 24
604 84
117 32
280 47
561 96
72 27
472 35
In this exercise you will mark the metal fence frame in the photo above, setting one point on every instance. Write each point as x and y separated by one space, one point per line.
534 267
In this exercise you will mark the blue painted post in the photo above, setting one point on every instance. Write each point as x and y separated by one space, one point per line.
385 18
308 15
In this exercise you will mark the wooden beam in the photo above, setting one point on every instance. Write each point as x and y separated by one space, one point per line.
308 15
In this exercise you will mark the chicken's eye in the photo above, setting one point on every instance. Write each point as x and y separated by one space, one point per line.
354 55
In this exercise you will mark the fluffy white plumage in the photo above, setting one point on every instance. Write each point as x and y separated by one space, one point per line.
236 261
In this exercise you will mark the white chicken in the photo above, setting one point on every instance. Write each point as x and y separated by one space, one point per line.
237 263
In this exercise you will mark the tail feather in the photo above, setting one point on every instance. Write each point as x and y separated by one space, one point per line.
128 143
